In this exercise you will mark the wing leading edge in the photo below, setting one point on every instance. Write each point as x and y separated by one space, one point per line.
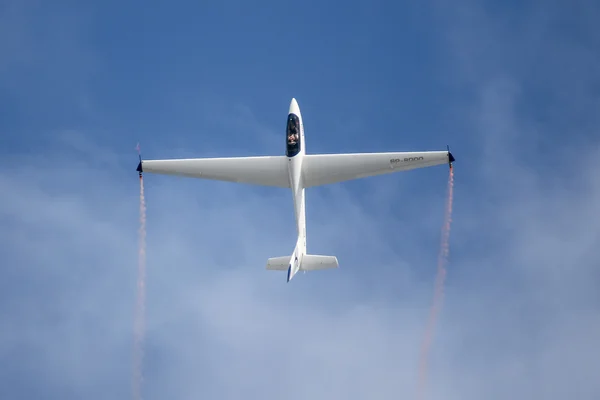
264 170
323 169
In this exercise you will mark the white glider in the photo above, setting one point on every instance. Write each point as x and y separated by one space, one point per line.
297 171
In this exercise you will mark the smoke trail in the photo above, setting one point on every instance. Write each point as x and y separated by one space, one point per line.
139 310
438 291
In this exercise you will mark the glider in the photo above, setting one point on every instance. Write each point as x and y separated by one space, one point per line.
297 171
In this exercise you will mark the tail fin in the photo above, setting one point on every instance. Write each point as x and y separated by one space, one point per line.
311 262
284 263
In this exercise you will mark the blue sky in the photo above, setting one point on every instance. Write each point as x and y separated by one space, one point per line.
514 89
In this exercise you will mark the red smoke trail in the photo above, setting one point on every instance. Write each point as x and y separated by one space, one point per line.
438 292
139 311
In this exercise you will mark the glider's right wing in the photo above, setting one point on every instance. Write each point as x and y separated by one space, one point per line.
323 169
264 170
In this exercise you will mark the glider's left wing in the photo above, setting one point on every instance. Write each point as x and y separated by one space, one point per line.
323 169
264 171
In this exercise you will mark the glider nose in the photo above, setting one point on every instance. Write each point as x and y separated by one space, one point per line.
294 109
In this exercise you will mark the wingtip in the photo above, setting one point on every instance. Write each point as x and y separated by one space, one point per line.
139 167
451 158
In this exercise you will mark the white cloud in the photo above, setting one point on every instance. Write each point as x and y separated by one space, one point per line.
212 307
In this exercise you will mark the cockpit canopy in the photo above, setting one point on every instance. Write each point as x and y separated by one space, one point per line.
293 136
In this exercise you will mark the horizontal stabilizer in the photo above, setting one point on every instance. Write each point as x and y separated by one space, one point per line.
278 263
311 262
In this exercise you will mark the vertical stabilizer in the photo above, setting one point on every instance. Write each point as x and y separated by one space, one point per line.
294 265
